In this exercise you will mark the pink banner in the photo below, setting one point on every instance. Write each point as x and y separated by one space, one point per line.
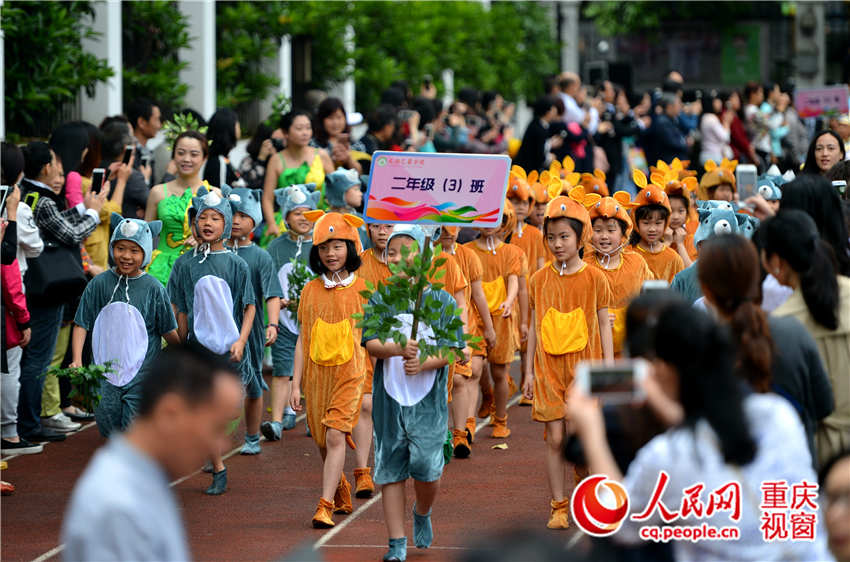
434 188
817 101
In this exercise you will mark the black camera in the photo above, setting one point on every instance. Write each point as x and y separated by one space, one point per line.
277 144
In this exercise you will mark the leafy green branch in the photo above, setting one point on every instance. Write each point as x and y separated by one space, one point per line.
405 291
298 277
85 382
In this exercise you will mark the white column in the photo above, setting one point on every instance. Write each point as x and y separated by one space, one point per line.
108 96
569 35
285 68
200 74
449 85
348 85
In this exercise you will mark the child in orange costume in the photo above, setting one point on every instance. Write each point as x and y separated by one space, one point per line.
527 237
502 265
683 217
539 197
373 268
595 183
608 251
651 216
479 323
718 182
570 323
328 356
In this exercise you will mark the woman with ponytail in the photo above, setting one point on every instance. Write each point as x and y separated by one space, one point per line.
723 434
775 354
799 258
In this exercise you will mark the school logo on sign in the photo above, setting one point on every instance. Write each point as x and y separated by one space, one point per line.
589 510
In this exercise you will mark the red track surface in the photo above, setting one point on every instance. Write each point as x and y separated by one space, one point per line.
266 512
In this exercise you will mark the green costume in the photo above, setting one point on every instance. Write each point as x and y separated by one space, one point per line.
172 212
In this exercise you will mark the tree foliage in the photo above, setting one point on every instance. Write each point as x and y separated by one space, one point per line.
404 291
45 64
644 16
153 34
507 47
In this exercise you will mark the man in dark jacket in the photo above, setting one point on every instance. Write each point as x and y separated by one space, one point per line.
663 140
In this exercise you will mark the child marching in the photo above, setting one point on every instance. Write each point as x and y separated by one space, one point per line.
330 364
570 322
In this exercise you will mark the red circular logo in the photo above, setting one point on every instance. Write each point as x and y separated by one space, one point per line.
588 512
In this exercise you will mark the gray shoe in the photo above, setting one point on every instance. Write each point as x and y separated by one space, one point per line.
60 422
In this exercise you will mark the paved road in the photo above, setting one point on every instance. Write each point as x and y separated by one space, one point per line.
266 513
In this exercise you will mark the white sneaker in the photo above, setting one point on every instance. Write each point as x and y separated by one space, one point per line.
60 422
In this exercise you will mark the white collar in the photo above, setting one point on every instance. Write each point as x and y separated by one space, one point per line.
336 280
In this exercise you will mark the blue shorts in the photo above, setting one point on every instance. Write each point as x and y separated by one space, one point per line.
409 439
117 406
283 353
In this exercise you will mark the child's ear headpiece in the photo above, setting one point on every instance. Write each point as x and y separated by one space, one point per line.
639 177
114 220
314 216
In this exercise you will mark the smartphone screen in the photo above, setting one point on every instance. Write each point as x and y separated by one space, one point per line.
97 176
4 193
746 176
614 385
128 153
619 383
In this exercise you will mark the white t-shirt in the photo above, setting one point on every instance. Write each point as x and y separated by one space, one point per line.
691 456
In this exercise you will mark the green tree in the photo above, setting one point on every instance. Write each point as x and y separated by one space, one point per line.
643 16
45 64
246 35
153 34
507 47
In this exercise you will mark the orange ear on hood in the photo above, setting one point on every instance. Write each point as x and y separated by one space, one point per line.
657 178
532 176
352 220
710 165
554 189
569 165
623 198
639 178
313 216
599 174
572 178
690 183
555 168
518 171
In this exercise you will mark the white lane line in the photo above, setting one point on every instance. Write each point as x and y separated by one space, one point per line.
50 553
362 509
385 546
56 550
83 428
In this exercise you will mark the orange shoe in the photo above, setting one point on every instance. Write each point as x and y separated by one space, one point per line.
323 518
460 444
558 516
342 498
470 430
487 405
6 489
364 486
525 401
500 427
